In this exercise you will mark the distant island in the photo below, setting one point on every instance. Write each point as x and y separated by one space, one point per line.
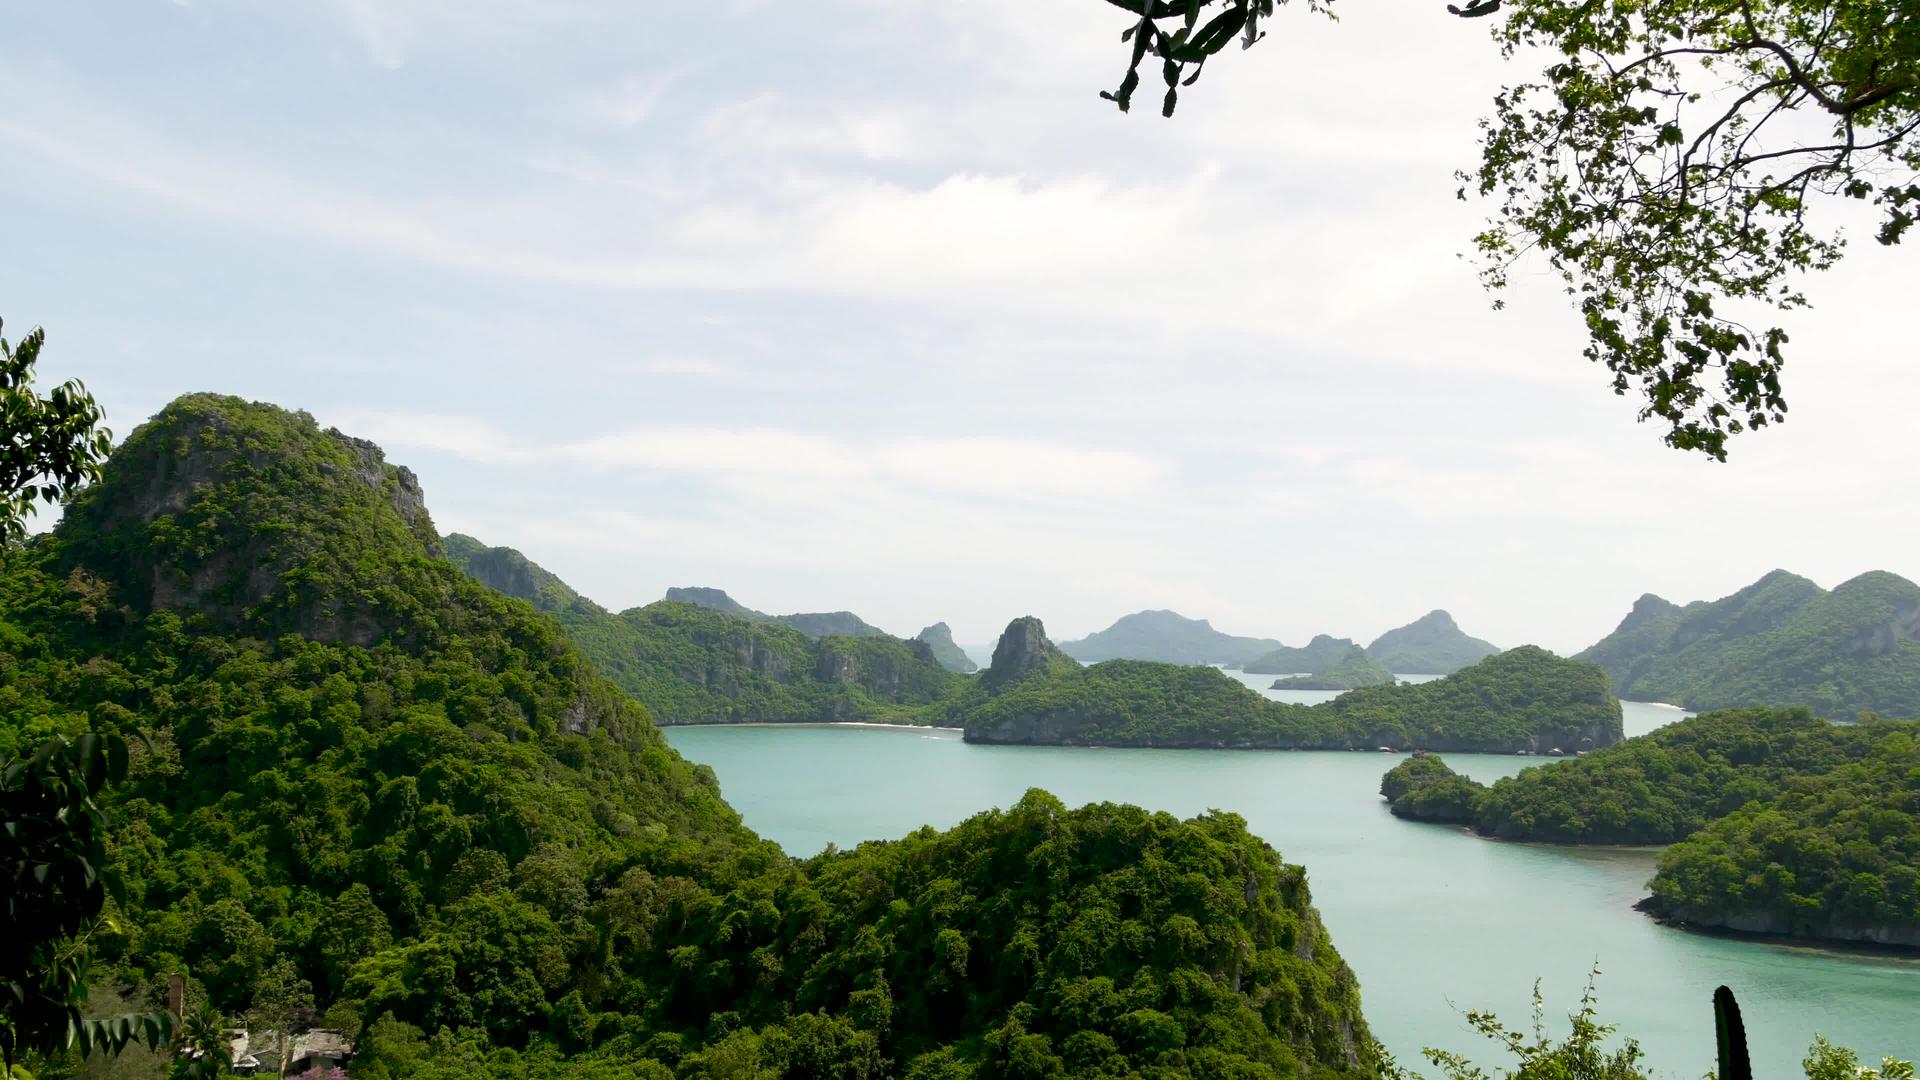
1166 636
1781 823
1315 655
1523 701
1782 640
1433 644
704 663
1349 670
939 638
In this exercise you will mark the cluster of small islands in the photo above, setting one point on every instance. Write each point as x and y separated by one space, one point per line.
1788 802
422 780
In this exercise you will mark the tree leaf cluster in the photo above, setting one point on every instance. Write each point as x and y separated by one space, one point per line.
49 445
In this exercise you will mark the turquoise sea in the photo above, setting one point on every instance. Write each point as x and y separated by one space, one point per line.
1434 920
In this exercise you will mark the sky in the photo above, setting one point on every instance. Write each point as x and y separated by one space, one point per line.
877 306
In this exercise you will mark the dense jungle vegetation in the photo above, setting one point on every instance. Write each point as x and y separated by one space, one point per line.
1781 823
367 783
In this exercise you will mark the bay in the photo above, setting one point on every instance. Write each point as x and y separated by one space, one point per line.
1434 920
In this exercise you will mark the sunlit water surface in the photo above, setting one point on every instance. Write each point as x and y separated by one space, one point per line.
1434 920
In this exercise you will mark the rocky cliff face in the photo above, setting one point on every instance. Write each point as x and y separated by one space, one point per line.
1023 649
505 570
254 517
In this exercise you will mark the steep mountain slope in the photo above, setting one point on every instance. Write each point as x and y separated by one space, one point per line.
1780 641
694 664
1168 637
1524 700
811 623
939 638
1315 655
1430 645
361 771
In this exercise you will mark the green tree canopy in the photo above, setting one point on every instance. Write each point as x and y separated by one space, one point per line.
49 446
1667 163
53 859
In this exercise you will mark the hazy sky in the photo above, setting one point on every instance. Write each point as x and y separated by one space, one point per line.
875 305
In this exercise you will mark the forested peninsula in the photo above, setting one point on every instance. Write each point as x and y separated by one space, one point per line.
1781 823
365 781
1782 640
700 664
1525 700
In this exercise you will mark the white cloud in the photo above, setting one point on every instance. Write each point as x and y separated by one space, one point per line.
876 305
632 102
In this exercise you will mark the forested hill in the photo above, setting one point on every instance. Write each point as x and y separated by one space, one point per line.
1781 641
939 638
696 664
1169 637
362 776
1315 655
1780 822
1666 785
811 623
1433 644
1348 670
1525 700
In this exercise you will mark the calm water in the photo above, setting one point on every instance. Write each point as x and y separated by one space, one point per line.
1434 920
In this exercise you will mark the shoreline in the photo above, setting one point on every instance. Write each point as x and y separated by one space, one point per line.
1852 949
809 724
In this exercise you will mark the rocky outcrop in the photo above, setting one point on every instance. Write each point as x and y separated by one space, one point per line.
1023 649
369 464
939 638
505 570
254 518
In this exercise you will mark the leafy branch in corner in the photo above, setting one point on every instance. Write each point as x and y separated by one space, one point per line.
1666 164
